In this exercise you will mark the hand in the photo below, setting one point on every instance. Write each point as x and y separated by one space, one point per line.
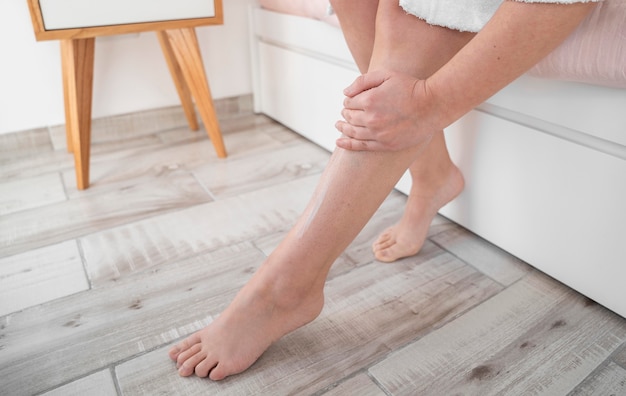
386 111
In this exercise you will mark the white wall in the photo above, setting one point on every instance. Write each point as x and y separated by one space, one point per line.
130 72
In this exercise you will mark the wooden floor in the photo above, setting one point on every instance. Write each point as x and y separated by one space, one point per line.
96 285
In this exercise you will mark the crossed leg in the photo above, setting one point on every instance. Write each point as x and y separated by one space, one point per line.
287 290
435 179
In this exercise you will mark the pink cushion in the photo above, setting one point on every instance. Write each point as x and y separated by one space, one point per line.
316 9
595 53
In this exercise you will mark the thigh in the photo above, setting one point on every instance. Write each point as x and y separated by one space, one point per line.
358 19
407 44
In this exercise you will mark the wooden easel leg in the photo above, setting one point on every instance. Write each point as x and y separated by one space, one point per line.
77 57
66 99
179 81
184 44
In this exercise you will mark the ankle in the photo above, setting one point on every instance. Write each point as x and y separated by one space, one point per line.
286 289
429 180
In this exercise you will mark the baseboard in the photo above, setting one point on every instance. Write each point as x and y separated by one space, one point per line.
150 121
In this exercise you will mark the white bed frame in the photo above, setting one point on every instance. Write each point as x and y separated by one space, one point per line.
544 160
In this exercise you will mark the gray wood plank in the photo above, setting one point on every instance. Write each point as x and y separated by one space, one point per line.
609 380
18 162
620 356
228 178
360 385
129 128
28 193
39 276
116 252
104 145
487 258
252 123
126 128
87 332
98 384
158 375
284 135
440 224
536 337
247 122
122 168
369 312
26 230
12 168
24 144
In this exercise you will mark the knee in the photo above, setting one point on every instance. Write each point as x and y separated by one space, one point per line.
337 3
341 7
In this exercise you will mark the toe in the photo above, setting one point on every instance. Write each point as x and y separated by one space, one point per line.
187 343
204 367
385 236
386 256
218 373
188 367
397 251
184 356
383 245
386 244
174 352
389 253
385 239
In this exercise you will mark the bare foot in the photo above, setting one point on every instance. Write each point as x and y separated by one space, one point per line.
261 313
406 238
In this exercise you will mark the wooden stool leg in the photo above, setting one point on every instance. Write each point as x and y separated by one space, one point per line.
187 52
179 81
77 58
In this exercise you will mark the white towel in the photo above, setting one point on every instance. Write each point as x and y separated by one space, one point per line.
463 15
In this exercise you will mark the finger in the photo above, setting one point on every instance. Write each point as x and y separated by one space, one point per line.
355 118
359 145
365 82
357 102
353 132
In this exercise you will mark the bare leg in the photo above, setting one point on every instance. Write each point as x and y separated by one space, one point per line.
435 179
287 291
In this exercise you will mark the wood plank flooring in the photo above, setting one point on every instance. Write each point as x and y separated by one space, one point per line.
96 285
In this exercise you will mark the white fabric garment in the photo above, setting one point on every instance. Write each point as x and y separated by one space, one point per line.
463 15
